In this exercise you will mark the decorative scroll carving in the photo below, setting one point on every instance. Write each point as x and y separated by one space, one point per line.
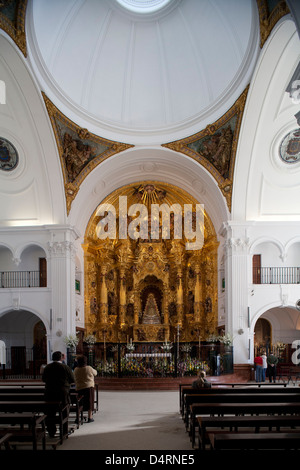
12 21
151 287
79 150
215 146
268 18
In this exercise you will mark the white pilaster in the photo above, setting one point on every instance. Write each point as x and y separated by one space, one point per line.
62 275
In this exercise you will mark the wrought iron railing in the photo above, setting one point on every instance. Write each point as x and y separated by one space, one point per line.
22 362
10 279
276 275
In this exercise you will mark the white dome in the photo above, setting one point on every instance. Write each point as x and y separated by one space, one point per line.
152 71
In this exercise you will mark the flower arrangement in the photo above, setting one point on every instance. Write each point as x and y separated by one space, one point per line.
167 346
89 339
130 346
213 338
186 348
280 346
226 339
71 341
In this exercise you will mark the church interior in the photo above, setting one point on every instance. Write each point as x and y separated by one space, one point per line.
149 216
149 181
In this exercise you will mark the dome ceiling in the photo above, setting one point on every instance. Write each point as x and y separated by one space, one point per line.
151 71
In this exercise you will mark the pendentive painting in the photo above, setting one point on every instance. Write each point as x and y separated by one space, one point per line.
216 148
77 152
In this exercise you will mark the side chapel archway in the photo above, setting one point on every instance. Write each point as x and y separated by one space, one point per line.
145 288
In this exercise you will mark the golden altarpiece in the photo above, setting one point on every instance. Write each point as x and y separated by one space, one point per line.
147 290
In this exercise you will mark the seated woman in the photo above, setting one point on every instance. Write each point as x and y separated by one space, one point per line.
201 382
84 382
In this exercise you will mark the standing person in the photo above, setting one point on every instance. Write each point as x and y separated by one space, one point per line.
258 368
264 366
84 384
57 377
272 365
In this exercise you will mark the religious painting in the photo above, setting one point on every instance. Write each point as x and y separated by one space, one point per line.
215 146
80 151
8 155
77 152
289 149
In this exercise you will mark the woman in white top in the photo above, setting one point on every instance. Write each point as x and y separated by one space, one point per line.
84 382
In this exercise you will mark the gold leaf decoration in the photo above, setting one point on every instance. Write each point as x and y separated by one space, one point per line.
12 21
215 146
79 150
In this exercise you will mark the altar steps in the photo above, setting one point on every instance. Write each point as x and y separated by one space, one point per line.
157 383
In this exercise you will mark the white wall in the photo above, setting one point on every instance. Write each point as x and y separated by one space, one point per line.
32 193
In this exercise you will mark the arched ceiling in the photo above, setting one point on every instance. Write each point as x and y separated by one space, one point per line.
144 71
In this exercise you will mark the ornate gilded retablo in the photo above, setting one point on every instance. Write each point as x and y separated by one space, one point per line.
144 287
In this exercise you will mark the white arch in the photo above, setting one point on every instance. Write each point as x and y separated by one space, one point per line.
140 164
258 192
291 243
5 311
21 248
262 311
6 245
265 240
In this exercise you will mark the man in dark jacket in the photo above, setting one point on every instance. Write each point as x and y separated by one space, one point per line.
272 362
57 377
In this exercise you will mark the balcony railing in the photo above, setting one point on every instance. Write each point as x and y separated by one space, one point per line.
282 275
11 279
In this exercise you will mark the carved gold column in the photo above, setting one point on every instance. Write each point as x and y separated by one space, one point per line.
103 308
166 315
197 295
180 305
122 297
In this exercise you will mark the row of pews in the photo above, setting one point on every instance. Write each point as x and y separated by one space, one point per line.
23 412
241 416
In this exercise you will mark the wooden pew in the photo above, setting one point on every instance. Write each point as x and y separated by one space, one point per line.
4 441
242 397
207 423
24 427
76 407
31 387
255 441
224 391
237 408
29 394
40 406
